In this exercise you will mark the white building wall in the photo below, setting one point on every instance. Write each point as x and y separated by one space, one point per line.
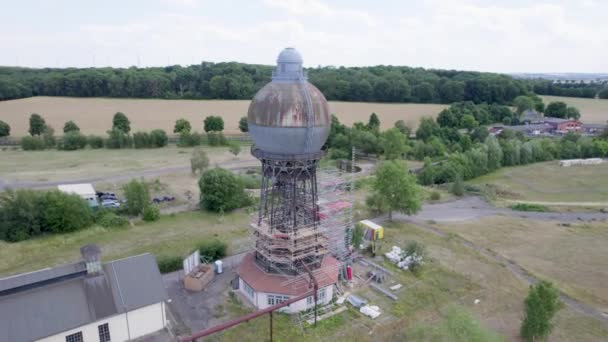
142 321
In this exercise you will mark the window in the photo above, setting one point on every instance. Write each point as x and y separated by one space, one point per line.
104 333
248 289
322 295
276 299
77 337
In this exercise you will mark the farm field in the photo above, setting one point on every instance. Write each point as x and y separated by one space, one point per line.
94 115
592 110
572 256
548 182
54 165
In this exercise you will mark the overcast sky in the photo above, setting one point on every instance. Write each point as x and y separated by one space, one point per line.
485 35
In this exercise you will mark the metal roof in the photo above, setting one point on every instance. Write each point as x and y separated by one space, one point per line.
83 189
47 302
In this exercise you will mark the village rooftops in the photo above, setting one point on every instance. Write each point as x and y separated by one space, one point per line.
49 301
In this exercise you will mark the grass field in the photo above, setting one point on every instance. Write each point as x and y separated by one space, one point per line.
548 182
94 115
592 110
573 256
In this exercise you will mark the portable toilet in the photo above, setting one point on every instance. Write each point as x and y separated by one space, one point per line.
372 231
218 267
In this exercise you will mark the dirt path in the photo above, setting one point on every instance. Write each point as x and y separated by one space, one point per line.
568 204
512 266
120 177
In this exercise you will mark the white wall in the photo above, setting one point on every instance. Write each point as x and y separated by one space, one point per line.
260 299
142 321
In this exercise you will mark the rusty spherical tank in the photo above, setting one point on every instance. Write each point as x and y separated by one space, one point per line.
289 115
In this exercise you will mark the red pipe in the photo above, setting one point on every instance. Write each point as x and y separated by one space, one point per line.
242 319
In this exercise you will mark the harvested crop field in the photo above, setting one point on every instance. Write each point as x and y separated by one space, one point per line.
94 115
592 110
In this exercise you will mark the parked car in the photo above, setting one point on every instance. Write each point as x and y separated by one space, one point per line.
108 197
110 204
161 199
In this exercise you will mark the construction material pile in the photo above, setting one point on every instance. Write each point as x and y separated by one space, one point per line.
402 259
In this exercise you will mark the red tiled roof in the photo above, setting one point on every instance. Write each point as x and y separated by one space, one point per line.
261 281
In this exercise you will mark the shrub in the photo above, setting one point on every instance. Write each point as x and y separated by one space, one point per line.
182 125
243 125
251 181
108 219
234 148
187 139
121 122
49 136
141 140
137 196
199 160
95 141
216 139
66 212
72 140
435 196
416 250
118 139
541 305
158 138
37 124
151 213
70 126
167 264
221 190
457 187
32 143
212 249
213 124
5 129
529 207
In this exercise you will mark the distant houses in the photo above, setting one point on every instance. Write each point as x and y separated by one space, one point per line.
534 123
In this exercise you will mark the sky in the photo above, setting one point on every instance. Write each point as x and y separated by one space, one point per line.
484 35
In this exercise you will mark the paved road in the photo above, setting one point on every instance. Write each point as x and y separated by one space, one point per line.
474 207
117 178
470 208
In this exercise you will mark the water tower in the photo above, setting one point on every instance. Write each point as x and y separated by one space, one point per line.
289 123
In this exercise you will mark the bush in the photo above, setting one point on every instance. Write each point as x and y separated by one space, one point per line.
32 143
70 126
182 125
415 249
435 196
167 264
141 140
5 129
37 124
213 124
199 160
66 212
212 249
118 139
529 207
72 140
95 141
457 187
108 219
235 148
251 181
158 138
216 139
121 122
49 137
137 197
151 213
243 125
221 190
187 139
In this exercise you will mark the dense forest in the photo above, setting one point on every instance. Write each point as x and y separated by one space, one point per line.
570 88
241 81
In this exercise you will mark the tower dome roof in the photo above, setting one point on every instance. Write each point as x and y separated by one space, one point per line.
289 115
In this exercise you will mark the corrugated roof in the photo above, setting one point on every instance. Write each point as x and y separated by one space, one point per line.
36 305
83 189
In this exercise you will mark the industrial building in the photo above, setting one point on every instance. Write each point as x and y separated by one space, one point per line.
88 300
298 245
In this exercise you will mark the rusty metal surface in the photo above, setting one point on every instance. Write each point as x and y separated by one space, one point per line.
283 104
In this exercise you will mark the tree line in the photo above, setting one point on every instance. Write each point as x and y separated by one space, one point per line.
571 89
242 81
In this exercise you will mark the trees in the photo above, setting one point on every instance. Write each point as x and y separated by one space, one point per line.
603 94
213 124
397 188
70 126
541 305
573 113
66 212
72 140
182 125
243 125
5 129
121 122
403 128
557 109
137 197
199 160
37 124
118 139
373 122
158 138
427 129
221 191
523 103
393 143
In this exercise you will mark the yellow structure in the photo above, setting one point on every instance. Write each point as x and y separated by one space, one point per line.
371 231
